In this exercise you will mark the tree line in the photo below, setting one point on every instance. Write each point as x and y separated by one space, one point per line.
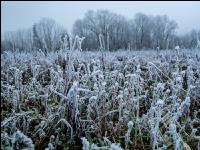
44 35
114 30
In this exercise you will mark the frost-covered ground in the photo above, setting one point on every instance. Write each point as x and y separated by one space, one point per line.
95 100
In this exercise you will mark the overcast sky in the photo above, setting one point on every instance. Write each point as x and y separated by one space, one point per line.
19 15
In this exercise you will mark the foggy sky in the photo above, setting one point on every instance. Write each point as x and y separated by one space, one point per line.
19 15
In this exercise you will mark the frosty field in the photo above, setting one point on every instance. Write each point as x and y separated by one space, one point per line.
101 100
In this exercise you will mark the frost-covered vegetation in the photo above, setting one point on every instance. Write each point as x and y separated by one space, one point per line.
100 100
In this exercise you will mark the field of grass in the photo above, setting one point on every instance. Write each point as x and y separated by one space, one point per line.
100 100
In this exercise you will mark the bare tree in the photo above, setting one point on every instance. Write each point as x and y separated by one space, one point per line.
142 29
37 43
112 27
49 33
163 29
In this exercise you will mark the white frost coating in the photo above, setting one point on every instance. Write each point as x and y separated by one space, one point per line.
20 138
184 107
86 144
15 99
91 95
94 146
93 99
172 127
176 138
160 87
179 79
177 47
68 125
127 136
50 147
77 43
160 103
130 125
115 146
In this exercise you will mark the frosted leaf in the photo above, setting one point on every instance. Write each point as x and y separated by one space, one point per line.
20 138
130 125
167 91
50 147
192 87
179 79
93 99
160 103
177 47
104 83
120 96
115 146
160 86
184 107
172 127
94 146
86 144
